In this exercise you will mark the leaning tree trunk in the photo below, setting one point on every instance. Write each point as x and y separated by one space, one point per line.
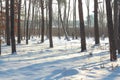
82 28
50 24
62 22
113 55
7 23
96 29
13 42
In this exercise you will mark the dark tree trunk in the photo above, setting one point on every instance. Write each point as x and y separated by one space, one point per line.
13 42
113 55
82 28
50 24
116 25
118 37
42 28
96 29
19 24
7 23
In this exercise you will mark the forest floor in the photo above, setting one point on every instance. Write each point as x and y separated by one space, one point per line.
63 62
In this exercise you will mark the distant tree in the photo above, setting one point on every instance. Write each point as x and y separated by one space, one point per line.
50 24
13 42
31 32
82 27
74 19
25 18
96 28
113 55
27 25
88 15
63 21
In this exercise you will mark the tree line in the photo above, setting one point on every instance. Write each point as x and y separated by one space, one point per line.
35 18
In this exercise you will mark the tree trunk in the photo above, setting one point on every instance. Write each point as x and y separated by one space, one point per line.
27 26
116 25
63 25
74 19
113 55
32 23
25 18
42 27
88 16
19 24
82 28
7 23
96 29
13 42
50 24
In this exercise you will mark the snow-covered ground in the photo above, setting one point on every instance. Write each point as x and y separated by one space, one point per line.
63 62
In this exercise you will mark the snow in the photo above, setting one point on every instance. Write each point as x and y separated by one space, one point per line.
37 61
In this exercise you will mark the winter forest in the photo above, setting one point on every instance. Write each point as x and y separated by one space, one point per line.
59 39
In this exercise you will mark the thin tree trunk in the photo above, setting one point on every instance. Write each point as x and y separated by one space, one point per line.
13 42
96 29
59 36
42 28
19 24
113 55
74 20
25 18
88 16
27 26
39 23
67 17
82 28
32 23
63 26
50 24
